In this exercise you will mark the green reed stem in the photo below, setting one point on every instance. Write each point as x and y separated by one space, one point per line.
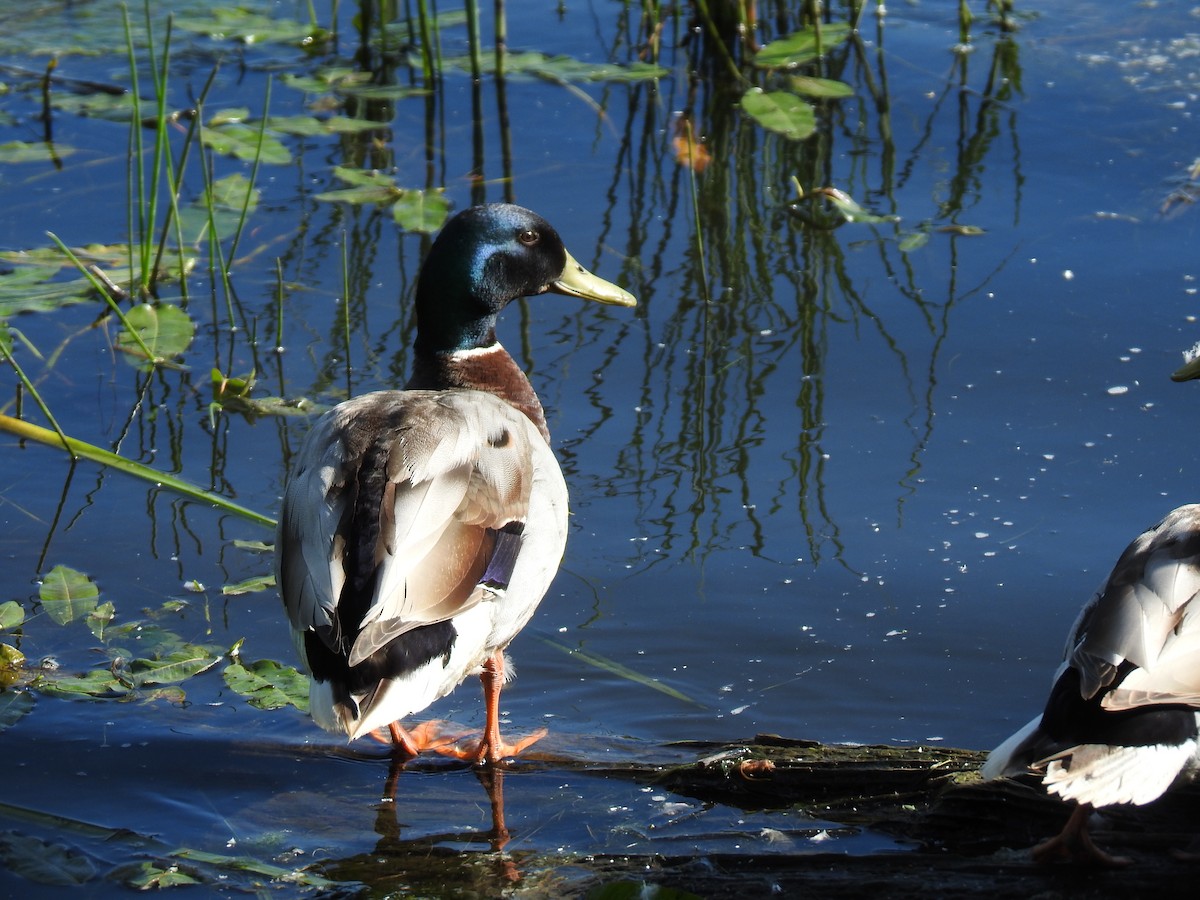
100 288
28 385
83 450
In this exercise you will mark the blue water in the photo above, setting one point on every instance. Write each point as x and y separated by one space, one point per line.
866 512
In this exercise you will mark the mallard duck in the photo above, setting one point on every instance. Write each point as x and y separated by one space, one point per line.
420 528
1123 719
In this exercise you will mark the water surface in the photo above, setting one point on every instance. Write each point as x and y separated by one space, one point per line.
851 487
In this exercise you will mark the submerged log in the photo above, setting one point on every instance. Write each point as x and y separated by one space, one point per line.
968 837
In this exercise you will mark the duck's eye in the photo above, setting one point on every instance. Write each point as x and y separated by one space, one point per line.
529 237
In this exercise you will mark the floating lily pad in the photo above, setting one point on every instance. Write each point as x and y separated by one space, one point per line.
249 586
267 684
563 68
413 209
95 684
11 615
42 862
242 141
421 211
821 88
228 195
186 662
98 619
800 47
14 706
243 26
311 126
37 151
147 875
165 330
67 594
780 112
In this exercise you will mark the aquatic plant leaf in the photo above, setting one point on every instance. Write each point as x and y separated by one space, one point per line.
231 192
11 615
98 619
82 449
14 706
822 88
267 684
95 684
800 47
242 141
332 78
849 208
780 112
369 193
95 105
311 126
42 862
563 68
67 594
12 664
914 241
254 546
219 208
184 663
147 875
31 290
166 331
423 212
249 586
37 151
244 26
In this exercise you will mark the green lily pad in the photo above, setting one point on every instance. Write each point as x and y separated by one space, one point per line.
165 330
186 662
249 586
415 210
800 47
37 151
422 212
148 875
780 112
821 88
98 619
95 684
42 862
67 594
564 68
311 126
14 706
267 684
12 669
11 615
242 141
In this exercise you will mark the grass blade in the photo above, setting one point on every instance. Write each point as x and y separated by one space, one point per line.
84 450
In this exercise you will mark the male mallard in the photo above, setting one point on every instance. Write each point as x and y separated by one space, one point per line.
1123 719
421 527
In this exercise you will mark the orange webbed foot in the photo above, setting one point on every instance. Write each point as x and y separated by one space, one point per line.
480 750
431 735
1074 844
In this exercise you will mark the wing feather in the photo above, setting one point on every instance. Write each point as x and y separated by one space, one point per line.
458 468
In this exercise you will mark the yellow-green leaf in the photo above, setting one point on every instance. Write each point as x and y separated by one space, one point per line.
67 594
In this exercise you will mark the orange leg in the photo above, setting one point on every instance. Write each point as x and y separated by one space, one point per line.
1075 844
492 748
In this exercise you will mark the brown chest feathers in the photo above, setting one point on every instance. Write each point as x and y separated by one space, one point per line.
488 369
